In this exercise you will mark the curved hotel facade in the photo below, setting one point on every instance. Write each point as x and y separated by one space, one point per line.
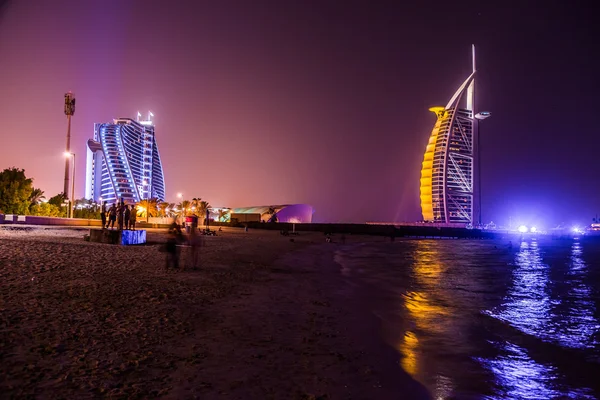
123 163
447 173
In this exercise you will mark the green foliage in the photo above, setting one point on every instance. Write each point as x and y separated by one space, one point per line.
86 213
87 209
15 191
58 200
47 210
37 195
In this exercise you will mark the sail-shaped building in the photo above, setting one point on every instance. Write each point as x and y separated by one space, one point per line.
447 173
123 163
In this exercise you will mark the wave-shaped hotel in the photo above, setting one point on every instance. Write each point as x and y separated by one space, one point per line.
447 173
123 162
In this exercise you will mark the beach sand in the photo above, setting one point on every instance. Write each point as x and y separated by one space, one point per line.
263 318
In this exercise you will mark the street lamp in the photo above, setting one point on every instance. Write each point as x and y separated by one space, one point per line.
180 195
479 117
69 111
72 200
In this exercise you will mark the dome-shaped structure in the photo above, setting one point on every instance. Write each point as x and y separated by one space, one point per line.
291 213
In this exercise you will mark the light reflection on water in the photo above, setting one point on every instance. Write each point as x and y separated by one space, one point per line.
519 377
426 314
529 305
469 318
581 325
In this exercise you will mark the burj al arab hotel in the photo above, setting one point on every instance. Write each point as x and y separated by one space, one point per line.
447 173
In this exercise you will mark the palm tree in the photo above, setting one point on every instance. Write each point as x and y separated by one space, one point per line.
201 209
147 208
184 207
195 205
171 210
162 208
36 196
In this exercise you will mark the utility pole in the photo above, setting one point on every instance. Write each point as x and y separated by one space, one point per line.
69 111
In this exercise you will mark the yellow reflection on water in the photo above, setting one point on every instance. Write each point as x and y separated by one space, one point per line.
408 348
427 270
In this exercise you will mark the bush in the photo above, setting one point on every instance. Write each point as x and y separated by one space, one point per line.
46 210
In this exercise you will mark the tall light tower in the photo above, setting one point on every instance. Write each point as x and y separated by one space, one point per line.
480 116
72 200
69 111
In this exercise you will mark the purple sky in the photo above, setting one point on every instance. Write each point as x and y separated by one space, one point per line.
319 102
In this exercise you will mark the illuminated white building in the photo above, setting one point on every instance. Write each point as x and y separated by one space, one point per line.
447 173
123 162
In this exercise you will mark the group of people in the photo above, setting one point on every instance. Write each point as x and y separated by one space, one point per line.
121 213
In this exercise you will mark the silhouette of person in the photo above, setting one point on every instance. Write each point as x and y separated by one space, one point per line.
132 217
175 237
103 215
120 210
112 216
126 216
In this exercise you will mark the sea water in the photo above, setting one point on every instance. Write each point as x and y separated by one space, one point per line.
487 319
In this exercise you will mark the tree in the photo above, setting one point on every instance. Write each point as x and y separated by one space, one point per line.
37 195
46 210
170 210
196 203
148 208
162 208
84 208
15 191
59 201
201 209
185 206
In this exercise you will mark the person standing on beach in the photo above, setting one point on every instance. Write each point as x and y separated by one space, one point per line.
126 216
103 215
112 216
175 238
132 217
120 211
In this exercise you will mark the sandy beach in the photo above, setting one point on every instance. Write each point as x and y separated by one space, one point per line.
263 318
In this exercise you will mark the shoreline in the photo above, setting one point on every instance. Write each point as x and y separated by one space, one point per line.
264 318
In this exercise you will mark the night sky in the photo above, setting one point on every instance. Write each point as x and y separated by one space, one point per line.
319 102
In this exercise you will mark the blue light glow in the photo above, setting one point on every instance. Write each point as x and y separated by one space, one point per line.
533 306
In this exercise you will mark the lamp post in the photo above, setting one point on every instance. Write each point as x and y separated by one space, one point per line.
69 112
72 199
479 117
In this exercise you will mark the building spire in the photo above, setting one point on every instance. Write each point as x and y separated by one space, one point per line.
471 89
